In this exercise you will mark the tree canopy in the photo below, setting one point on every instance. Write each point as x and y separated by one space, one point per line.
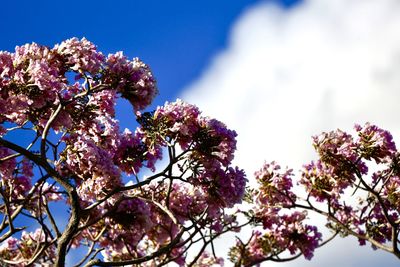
73 156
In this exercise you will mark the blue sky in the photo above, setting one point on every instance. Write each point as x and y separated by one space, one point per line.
283 70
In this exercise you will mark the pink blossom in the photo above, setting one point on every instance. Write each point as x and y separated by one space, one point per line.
339 150
92 167
132 79
275 186
126 224
80 55
6 69
20 251
225 187
322 182
215 140
392 192
375 143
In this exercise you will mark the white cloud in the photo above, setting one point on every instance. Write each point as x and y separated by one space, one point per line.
289 74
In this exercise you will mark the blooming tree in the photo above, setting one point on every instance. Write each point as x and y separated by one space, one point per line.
61 148
339 187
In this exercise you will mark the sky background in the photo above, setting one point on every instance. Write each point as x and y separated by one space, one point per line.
275 71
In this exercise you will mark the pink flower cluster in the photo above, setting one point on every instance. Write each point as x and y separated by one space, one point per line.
323 183
29 81
92 167
35 79
392 192
177 120
275 186
126 225
186 201
289 233
293 235
342 165
341 159
132 79
339 150
375 143
17 253
222 187
382 208
80 55
133 153
15 177
180 122
209 146
281 231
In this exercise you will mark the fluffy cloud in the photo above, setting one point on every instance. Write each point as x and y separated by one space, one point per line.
290 74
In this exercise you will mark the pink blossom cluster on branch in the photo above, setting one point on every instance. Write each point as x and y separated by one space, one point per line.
74 155
280 228
338 186
64 99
